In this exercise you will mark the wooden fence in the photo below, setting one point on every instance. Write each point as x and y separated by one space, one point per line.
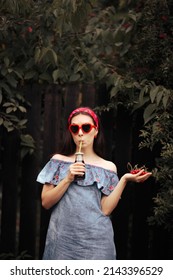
24 222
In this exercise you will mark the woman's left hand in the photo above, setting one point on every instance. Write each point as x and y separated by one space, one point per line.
139 177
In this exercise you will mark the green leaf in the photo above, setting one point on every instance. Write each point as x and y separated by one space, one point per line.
43 52
27 141
129 29
7 104
10 128
29 75
37 54
165 100
22 122
119 44
1 121
4 71
12 81
55 57
103 73
18 74
22 109
10 109
114 92
45 77
108 50
5 87
74 77
30 63
149 112
159 97
55 75
6 61
141 96
8 125
153 93
0 97
133 16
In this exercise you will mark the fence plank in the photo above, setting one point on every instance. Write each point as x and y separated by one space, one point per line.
30 166
52 121
89 95
79 95
122 154
108 121
51 141
10 167
72 99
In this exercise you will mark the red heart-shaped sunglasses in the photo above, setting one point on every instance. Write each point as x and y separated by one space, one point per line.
86 128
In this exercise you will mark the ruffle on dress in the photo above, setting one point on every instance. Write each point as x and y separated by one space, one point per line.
55 170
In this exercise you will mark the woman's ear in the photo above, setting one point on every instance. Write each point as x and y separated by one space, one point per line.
95 136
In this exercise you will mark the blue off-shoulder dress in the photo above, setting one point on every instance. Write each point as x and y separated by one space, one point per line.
78 229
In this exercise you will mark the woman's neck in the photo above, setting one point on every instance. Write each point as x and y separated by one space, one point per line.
89 156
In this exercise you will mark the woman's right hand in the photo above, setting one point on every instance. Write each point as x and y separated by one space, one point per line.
52 194
76 168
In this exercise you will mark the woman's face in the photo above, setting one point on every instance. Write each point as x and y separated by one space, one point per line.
86 138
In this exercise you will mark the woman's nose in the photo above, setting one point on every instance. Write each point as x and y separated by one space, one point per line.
80 131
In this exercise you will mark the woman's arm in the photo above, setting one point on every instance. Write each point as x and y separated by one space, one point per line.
109 203
52 194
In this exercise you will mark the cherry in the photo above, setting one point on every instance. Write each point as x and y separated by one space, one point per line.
136 169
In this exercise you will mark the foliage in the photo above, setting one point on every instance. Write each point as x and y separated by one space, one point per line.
158 135
52 42
148 65
10 256
63 41
143 81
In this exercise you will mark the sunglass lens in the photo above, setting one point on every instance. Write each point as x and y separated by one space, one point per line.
86 127
74 128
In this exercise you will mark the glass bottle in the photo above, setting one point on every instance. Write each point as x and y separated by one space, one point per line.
79 158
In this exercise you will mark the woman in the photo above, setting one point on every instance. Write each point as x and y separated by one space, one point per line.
80 227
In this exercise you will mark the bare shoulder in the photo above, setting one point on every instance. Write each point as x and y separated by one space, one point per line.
110 165
61 157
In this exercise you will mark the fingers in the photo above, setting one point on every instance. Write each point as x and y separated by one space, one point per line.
77 168
142 176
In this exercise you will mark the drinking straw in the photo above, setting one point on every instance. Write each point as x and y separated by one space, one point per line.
80 146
